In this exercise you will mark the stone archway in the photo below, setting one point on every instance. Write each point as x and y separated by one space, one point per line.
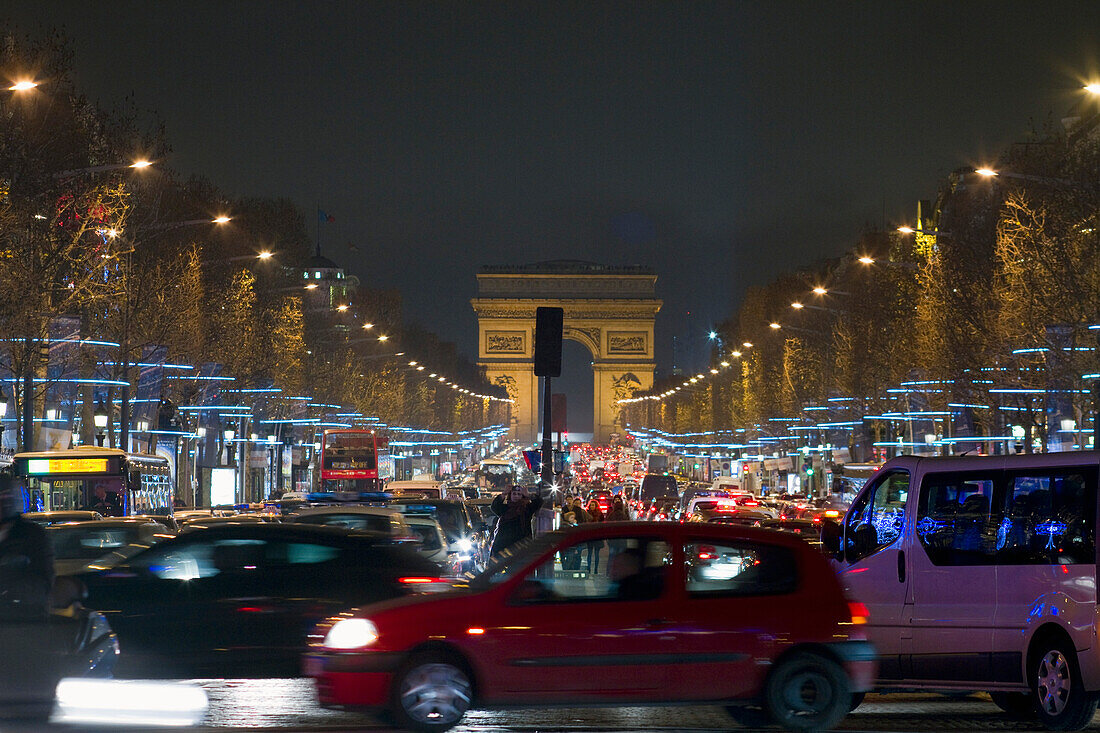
610 310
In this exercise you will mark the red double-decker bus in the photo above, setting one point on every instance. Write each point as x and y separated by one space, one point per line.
349 460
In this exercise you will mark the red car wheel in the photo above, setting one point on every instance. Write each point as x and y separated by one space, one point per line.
430 694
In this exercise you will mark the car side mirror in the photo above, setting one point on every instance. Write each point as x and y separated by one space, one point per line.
831 533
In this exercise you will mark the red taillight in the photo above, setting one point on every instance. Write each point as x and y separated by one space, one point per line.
424 584
858 612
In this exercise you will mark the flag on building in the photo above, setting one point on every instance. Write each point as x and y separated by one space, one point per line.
324 218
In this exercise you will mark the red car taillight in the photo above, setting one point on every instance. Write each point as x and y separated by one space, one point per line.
858 612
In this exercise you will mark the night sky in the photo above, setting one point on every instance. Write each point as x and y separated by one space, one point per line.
719 143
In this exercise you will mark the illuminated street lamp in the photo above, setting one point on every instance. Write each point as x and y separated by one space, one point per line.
774 326
22 86
99 418
265 255
136 165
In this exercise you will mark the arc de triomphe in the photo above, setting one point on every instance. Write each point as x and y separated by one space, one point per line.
608 309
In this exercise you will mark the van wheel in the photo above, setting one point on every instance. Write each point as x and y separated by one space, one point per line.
430 693
1055 679
1018 705
807 692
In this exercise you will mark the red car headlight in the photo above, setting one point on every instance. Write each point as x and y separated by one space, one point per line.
351 633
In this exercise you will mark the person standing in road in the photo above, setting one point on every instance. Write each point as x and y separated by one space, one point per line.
618 511
579 514
515 510
595 547
26 559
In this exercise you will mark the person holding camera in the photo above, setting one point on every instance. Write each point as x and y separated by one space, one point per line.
515 510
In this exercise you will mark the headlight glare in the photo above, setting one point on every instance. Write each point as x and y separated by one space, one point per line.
351 633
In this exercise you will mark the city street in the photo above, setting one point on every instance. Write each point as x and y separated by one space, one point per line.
288 704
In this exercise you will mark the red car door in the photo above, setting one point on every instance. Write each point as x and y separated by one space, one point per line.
568 635
732 612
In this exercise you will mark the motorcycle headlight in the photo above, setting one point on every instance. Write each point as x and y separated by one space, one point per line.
464 545
351 633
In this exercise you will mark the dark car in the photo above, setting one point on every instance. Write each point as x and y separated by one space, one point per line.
686 613
237 600
75 515
602 497
73 641
79 544
808 530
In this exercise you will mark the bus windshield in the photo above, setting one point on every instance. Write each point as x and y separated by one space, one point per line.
349 452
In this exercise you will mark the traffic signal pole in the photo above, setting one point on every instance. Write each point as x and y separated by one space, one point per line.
547 443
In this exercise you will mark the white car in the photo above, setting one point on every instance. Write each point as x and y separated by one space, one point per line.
433 542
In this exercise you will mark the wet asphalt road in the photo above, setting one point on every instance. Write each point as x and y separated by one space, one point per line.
289 704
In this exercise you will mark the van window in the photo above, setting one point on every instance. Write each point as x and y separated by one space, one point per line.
956 523
1049 518
876 518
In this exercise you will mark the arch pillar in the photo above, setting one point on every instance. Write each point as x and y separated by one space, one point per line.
614 381
518 377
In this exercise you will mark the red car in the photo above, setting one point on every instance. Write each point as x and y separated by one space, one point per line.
700 613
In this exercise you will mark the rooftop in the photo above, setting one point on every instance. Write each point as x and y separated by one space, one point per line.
566 267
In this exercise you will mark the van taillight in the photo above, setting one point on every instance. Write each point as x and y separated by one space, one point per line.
858 612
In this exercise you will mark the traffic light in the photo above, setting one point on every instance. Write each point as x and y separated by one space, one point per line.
808 468
548 337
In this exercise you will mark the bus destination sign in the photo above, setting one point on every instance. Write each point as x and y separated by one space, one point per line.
45 466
